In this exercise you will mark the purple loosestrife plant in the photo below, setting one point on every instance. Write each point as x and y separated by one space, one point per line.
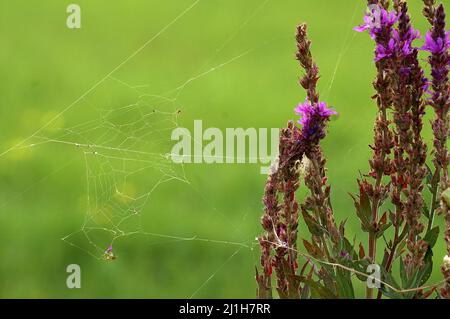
398 174
437 43
316 209
298 145
410 151
397 62
312 120
373 191
280 222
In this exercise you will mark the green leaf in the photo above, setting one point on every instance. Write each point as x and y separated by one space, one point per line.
365 205
328 278
403 275
426 211
344 284
344 244
434 178
429 178
342 227
383 229
387 278
361 266
305 292
425 272
312 249
432 236
421 276
313 227
385 259
363 210
390 293
319 291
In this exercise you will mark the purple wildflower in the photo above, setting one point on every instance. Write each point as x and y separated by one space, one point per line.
377 19
307 111
436 45
313 119
379 23
404 39
437 42
389 42
382 51
345 255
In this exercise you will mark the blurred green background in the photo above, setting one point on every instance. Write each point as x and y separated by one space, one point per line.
229 63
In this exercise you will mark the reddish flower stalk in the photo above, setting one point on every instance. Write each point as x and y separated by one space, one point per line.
315 116
437 42
429 10
410 150
403 137
380 164
271 211
280 220
304 56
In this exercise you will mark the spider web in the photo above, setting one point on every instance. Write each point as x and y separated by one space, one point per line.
126 149
120 145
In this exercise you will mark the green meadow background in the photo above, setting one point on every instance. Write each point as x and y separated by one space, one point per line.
229 63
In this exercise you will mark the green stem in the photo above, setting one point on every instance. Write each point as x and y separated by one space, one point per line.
433 205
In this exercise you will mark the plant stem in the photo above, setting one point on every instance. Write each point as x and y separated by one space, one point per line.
372 252
373 237
433 207
375 204
321 204
390 260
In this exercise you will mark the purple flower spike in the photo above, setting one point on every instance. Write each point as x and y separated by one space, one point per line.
390 43
308 112
382 52
438 45
368 22
377 19
313 121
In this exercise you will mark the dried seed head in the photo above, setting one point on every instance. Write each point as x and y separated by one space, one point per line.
303 167
446 262
274 166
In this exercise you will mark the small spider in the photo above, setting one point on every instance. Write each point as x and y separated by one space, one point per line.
109 254
279 242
